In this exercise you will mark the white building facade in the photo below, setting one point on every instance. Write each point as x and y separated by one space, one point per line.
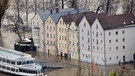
38 29
113 41
84 40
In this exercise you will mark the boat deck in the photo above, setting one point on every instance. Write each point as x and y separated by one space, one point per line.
12 54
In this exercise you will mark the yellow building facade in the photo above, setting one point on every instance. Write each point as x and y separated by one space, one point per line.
62 36
50 36
73 41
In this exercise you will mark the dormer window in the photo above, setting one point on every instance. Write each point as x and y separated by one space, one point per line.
84 24
124 23
132 21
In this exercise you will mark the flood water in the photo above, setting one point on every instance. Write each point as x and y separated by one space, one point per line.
81 68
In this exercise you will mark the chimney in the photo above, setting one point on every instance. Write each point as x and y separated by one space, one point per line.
57 10
84 13
51 11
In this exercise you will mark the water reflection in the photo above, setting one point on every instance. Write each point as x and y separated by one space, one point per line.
81 68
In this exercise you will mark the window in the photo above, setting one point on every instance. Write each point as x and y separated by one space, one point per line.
100 34
116 40
97 41
73 43
88 40
93 40
47 35
53 35
116 32
93 32
123 32
62 38
123 39
110 48
60 22
62 30
83 45
101 41
84 24
65 38
116 47
96 34
50 28
59 37
50 42
53 28
47 41
109 33
109 41
50 21
117 57
65 45
93 47
54 43
123 47
110 58
88 47
82 38
50 35
59 29
47 27
82 30
88 33
97 48
97 26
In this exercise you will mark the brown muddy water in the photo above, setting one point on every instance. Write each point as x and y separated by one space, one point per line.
76 68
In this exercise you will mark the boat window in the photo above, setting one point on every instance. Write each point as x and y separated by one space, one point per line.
3 67
0 59
3 60
19 63
23 63
8 68
12 69
31 62
27 62
12 62
8 61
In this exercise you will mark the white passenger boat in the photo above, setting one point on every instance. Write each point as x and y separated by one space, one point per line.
18 63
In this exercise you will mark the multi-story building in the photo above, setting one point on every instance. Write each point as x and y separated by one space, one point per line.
54 22
38 29
73 21
51 28
113 39
85 36
62 34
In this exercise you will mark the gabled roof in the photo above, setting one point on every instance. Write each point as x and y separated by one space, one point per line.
56 16
43 15
77 17
116 21
91 16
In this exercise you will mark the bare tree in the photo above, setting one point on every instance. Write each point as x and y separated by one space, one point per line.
109 6
4 4
128 6
72 3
